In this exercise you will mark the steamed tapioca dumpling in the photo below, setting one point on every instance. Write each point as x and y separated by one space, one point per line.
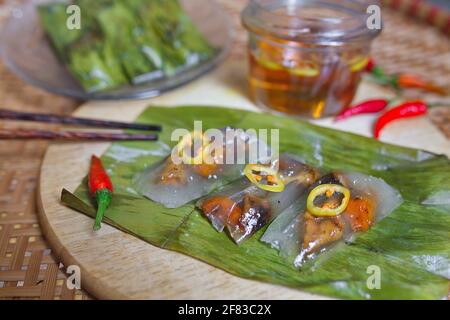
252 202
335 209
174 184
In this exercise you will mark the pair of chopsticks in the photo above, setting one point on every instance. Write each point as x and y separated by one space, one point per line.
74 135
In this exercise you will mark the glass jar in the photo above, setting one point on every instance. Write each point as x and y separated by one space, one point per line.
307 56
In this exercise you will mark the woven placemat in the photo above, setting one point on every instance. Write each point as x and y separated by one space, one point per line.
28 269
410 44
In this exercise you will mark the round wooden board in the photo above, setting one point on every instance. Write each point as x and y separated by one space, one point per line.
115 265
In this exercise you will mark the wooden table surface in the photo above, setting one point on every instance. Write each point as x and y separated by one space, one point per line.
28 269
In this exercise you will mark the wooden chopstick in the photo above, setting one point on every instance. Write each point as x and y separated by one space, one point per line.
20 134
51 118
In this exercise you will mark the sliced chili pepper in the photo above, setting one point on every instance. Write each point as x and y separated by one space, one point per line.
187 142
359 63
369 106
211 155
305 69
408 80
405 110
302 68
264 177
101 188
328 200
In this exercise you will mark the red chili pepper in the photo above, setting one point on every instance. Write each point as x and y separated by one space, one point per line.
408 80
404 110
370 65
101 188
402 80
369 106
379 75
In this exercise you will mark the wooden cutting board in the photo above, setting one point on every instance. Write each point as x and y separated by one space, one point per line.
115 265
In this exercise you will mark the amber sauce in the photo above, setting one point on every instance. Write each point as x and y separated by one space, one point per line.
289 78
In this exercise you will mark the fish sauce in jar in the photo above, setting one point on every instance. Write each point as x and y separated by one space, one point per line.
306 57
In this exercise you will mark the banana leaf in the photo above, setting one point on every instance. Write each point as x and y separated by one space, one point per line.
180 42
154 17
193 40
89 12
118 24
124 41
90 61
94 65
411 246
144 35
60 37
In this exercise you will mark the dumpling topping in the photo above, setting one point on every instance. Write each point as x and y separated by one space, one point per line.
292 170
245 217
319 232
360 214
256 213
205 170
172 174
222 208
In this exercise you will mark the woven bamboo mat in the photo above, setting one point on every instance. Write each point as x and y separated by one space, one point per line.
28 269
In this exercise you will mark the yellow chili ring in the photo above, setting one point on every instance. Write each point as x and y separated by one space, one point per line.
187 141
303 68
359 63
208 149
257 173
327 190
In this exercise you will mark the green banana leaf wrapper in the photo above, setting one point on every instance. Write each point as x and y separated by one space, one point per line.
61 37
125 42
95 65
411 246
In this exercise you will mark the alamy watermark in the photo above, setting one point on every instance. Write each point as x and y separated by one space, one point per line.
224 146
73 21
374 280
374 21
73 273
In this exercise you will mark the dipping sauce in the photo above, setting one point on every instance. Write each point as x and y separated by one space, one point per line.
307 57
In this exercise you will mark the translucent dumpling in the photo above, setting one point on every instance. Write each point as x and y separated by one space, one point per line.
301 235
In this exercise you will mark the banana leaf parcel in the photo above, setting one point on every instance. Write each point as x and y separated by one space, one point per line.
410 247
124 42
